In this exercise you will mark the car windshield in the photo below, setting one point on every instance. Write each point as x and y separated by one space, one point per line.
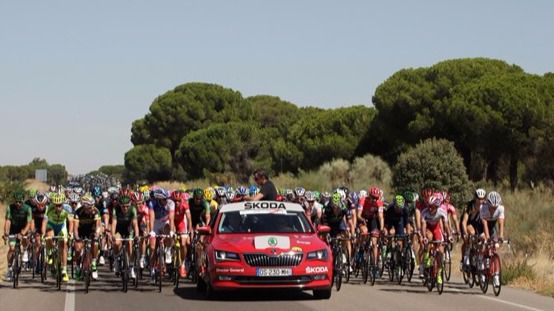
241 222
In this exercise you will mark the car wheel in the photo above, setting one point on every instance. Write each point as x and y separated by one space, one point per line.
322 293
200 285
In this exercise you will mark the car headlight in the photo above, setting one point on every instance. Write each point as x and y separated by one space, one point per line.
223 255
317 255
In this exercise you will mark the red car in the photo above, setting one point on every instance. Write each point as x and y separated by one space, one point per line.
263 244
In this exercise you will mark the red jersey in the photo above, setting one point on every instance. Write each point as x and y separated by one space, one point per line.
180 220
371 208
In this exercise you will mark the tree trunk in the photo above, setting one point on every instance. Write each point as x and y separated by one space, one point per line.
492 171
513 171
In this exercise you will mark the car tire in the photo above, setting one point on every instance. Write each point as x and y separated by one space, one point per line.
322 293
200 285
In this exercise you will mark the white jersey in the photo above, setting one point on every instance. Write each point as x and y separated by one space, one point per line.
433 219
486 213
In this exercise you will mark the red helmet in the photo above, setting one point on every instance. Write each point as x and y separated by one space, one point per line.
426 193
136 196
375 192
177 195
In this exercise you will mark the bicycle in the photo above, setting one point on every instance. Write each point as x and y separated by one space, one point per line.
122 262
400 259
159 269
490 267
434 268
86 262
177 260
340 260
16 259
56 260
469 264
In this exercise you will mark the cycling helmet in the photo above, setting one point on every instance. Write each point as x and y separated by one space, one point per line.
220 191
363 194
317 195
40 199
209 193
310 196
96 191
74 198
137 196
253 190
494 199
409 196
375 192
299 191
230 194
198 193
176 195
289 194
241 191
124 199
399 201
336 199
341 192
87 200
480 193
161 194
18 195
78 190
57 198
434 200
326 195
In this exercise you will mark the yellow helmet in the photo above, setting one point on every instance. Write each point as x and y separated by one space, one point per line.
58 198
209 193
144 188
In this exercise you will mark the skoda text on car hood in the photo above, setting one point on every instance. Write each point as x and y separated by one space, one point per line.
250 257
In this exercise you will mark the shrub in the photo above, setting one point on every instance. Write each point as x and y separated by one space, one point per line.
432 163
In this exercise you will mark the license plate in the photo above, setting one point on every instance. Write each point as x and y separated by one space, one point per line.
274 272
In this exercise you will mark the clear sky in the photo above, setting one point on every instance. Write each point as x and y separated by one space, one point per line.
75 74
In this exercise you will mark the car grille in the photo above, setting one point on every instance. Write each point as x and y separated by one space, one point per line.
263 260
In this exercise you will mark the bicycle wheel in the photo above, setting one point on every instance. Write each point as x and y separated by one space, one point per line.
372 264
338 269
365 265
176 266
58 271
409 264
161 263
438 266
483 278
124 266
32 258
86 269
400 263
43 264
496 272
346 267
447 263
16 266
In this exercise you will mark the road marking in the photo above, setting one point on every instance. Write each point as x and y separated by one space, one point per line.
511 303
70 296
502 301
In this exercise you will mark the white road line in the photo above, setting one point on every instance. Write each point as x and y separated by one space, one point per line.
70 296
511 303
501 301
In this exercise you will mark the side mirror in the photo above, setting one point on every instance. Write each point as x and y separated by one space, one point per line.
204 230
323 229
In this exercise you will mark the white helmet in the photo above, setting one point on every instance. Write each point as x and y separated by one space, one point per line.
494 199
480 193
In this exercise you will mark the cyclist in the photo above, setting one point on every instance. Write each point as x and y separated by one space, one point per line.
451 213
162 214
18 222
38 205
87 224
182 221
220 196
491 213
56 221
312 208
209 194
396 218
124 226
336 216
143 217
433 220
299 193
371 219
471 223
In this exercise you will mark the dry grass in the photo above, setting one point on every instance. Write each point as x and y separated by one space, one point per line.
35 184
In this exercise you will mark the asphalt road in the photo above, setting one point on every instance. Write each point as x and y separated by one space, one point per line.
106 295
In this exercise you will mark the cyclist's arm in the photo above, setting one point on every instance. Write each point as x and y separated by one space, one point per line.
7 226
76 227
29 222
172 220
70 220
44 223
98 226
465 217
152 216
381 220
114 222
189 220
207 214
485 228
501 228
423 227
417 220
359 214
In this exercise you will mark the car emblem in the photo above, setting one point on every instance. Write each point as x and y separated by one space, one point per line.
272 241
